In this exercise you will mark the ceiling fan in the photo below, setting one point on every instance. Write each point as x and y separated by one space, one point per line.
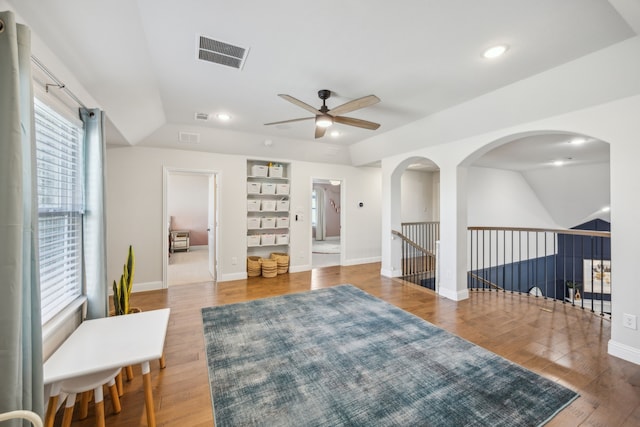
325 117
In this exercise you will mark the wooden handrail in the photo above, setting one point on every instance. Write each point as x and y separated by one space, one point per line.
548 230
485 281
412 244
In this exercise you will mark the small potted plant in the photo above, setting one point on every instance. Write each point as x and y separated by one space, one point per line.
574 290
122 290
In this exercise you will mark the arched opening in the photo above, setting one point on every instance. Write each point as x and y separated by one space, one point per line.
415 213
538 215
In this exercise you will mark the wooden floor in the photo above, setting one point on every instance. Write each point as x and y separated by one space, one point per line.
558 341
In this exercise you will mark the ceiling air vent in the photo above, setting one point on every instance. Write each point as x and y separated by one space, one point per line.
221 53
202 116
189 138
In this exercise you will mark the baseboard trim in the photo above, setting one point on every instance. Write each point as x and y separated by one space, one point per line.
357 261
390 273
454 295
625 352
232 276
299 268
146 286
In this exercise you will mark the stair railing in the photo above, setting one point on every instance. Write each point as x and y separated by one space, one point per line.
567 265
419 243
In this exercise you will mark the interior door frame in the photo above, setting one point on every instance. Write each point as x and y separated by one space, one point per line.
343 228
166 172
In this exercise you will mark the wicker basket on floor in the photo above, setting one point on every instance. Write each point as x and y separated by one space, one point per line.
254 267
282 260
269 267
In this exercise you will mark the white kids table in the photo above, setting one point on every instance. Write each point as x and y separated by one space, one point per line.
109 343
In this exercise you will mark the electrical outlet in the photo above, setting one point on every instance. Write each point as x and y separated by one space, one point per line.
630 321
234 260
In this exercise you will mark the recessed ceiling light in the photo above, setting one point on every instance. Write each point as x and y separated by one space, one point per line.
335 133
558 163
223 117
495 51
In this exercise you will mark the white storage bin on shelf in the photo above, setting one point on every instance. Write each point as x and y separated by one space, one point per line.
267 239
268 219
253 240
253 205
259 170
268 222
282 222
282 189
253 187
268 205
282 205
268 188
275 171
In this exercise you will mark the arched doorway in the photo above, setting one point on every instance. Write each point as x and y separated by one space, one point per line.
525 195
414 210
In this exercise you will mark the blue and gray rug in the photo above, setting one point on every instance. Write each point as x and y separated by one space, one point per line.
341 357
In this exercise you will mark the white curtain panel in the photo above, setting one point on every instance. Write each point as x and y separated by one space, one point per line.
95 236
20 325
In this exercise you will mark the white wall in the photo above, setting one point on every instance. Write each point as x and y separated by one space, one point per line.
573 195
134 209
503 198
417 196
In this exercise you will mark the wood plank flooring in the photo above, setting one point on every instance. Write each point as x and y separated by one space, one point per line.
558 341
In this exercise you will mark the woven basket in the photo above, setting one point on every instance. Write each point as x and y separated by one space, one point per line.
282 260
269 267
254 268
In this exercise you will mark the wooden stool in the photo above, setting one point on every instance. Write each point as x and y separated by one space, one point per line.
88 383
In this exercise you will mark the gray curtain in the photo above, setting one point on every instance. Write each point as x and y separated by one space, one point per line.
95 235
320 214
20 325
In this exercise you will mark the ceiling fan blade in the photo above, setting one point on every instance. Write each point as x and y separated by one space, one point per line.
289 121
356 104
356 122
299 103
320 131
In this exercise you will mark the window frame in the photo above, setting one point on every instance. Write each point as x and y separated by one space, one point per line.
72 290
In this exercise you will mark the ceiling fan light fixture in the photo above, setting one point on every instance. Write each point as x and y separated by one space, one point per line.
324 121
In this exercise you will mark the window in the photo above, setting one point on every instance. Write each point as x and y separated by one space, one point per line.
60 177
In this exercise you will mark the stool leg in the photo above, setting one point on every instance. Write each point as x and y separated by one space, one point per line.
85 398
115 400
99 403
119 383
51 411
129 371
68 410
163 362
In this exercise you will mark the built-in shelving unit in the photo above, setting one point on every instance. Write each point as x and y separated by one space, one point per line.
268 207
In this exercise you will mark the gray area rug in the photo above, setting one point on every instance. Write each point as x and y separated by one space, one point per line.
341 357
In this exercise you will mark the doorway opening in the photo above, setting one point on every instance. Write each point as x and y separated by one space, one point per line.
189 231
326 222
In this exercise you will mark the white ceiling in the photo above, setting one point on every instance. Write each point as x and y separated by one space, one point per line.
138 60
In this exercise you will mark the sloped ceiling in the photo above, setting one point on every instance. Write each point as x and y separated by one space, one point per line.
138 60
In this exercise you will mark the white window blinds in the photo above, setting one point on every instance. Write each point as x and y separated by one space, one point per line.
60 178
